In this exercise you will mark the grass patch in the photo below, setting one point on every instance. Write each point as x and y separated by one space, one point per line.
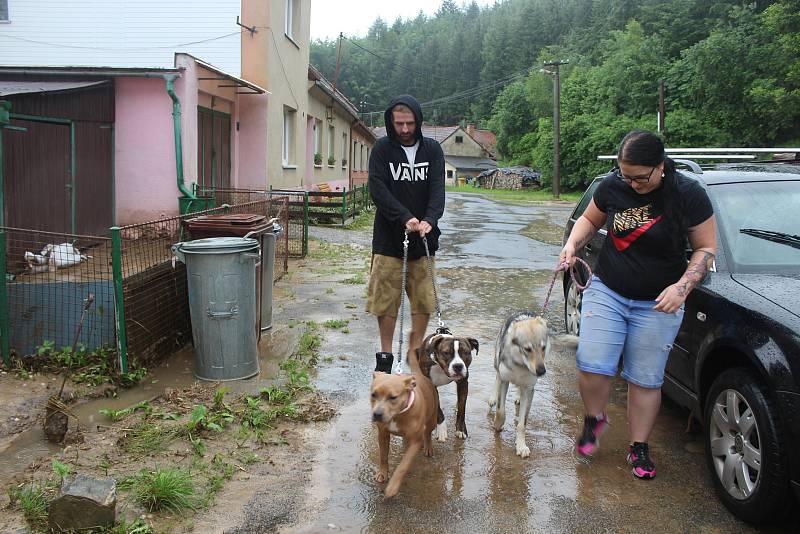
171 489
147 438
329 291
520 195
362 221
358 279
336 324
93 368
310 341
32 500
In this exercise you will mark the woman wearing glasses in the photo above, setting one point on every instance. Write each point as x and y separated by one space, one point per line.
635 302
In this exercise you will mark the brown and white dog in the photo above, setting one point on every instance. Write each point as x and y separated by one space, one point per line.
522 347
406 406
445 358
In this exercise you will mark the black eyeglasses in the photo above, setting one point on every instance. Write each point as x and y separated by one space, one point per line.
637 179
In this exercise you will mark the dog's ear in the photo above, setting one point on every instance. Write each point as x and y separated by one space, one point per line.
376 374
474 343
410 382
435 342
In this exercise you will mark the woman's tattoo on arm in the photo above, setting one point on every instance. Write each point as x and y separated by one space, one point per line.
696 272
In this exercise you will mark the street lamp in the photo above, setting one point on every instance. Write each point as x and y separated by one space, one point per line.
553 71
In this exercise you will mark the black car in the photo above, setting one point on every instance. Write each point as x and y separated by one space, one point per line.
736 359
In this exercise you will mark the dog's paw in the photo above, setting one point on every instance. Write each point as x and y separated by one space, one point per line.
499 421
391 491
428 451
461 435
441 432
522 450
381 476
492 401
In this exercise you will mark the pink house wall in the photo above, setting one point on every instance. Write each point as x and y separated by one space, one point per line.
144 151
145 171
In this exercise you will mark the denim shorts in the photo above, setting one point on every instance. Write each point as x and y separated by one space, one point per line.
612 325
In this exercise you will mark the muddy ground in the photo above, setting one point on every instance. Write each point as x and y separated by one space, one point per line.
310 474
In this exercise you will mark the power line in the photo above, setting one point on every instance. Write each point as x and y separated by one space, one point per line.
58 45
384 58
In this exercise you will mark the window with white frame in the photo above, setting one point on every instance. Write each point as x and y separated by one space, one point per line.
4 11
345 144
317 137
289 116
292 18
364 160
355 163
331 145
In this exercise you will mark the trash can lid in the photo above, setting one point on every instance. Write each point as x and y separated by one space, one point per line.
219 244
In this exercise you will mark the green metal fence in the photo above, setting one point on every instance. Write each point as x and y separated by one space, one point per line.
141 301
46 278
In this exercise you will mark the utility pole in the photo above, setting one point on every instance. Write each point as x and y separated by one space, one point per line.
554 72
661 128
338 61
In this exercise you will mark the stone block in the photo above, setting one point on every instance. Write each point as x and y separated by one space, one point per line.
85 502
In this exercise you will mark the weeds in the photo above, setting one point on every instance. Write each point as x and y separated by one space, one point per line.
329 291
61 470
357 279
33 502
118 415
169 489
146 438
336 324
94 368
310 341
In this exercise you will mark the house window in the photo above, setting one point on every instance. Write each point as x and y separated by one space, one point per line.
449 174
459 139
355 161
331 145
288 135
364 161
292 18
4 11
317 137
344 148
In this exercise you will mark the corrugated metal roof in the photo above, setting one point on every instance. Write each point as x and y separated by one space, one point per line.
470 163
19 87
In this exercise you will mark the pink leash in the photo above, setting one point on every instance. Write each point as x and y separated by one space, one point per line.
564 266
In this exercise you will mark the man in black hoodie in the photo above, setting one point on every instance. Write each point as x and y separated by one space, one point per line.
406 182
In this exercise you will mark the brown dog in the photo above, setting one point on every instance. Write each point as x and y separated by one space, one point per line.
445 358
406 406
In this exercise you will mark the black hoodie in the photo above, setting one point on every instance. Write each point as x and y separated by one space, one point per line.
401 192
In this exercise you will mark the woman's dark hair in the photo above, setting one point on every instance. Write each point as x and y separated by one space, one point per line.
641 147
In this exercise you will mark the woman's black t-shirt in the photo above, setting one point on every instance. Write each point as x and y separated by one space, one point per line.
640 258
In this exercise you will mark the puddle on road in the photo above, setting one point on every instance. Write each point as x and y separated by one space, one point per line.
175 373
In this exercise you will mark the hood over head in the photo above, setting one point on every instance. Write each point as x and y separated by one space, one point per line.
414 106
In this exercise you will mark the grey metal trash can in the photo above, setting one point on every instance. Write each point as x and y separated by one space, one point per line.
268 274
221 275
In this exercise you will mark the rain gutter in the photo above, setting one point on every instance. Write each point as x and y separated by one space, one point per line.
176 126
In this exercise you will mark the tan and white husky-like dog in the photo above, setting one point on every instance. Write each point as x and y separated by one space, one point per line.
519 358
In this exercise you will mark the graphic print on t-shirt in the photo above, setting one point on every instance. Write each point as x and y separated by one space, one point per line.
630 224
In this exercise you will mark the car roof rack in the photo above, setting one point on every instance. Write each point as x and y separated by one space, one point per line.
686 156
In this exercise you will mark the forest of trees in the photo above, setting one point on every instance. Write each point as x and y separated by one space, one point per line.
731 71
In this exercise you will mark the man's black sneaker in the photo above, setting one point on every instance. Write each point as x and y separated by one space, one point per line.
384 361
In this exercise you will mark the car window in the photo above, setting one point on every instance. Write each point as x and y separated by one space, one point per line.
586 198
758 222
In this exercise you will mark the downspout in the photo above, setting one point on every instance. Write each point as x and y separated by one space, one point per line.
176 126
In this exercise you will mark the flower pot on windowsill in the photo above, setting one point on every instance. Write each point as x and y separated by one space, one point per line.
318 160
331 161
344 163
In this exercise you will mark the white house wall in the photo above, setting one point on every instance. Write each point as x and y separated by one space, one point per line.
121 33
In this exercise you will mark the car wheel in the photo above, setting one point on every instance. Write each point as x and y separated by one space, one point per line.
743 448
572 308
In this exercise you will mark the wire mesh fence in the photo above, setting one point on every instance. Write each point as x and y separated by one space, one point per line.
47 278
155 295
296 202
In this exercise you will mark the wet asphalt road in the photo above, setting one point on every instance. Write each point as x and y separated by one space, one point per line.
496 258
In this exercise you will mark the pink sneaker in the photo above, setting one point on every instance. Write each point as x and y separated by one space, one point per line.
593 427
639 458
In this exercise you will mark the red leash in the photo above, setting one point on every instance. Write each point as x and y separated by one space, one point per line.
573 274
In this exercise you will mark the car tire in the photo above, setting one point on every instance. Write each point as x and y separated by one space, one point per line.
573 298
744 450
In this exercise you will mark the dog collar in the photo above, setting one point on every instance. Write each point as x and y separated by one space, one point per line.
410 402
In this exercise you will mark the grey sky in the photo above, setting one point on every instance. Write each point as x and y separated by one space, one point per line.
354 17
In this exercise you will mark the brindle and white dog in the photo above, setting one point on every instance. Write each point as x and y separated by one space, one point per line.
520 353
445 358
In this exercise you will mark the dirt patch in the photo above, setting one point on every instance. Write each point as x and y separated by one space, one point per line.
545 231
